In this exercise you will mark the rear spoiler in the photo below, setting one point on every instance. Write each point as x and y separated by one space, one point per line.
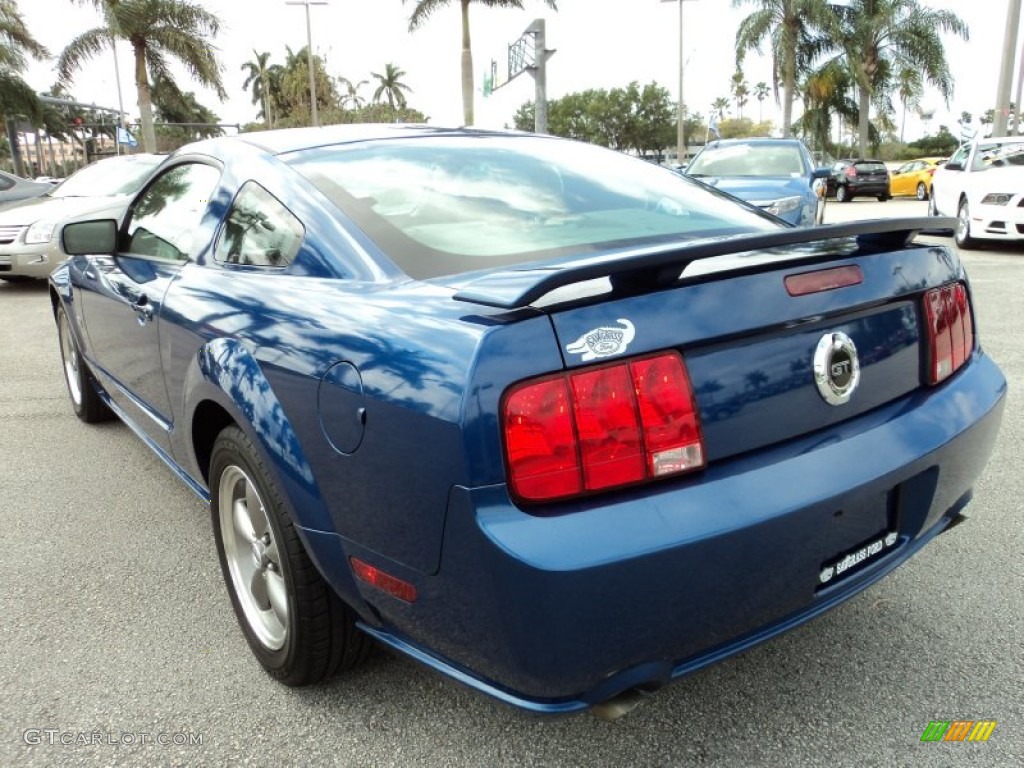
516 288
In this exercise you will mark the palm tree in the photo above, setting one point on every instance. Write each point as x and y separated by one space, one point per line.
740 92
351 98
391 86
824 93
423 10
258 77
790 27
16 45
157 30
883 36
910 91
761 92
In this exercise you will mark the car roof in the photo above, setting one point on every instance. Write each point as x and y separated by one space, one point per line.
1000 140
292 139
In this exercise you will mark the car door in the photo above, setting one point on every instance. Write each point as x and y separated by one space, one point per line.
122 295
901 179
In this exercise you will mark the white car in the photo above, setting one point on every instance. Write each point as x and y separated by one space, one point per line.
983 186
30 229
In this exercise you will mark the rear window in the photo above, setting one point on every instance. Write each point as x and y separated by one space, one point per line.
446 205
870 166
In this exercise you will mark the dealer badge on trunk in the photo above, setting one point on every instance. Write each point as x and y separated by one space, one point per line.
836 368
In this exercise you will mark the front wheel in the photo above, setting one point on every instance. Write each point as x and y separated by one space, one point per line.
842 194
296 626
922 191
85 400
962 235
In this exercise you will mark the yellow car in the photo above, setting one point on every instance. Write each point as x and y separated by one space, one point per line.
914 178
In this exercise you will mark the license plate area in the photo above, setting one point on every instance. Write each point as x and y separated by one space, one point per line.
856 558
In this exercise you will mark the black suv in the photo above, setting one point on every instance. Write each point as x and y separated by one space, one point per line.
859 177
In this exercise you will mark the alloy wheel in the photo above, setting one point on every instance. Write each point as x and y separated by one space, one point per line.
253 559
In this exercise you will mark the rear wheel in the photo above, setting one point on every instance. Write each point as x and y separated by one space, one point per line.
962 236
922 191
296 626
883 198
932 208
85 401
843 194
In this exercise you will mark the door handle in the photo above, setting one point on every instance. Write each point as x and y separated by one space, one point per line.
142 308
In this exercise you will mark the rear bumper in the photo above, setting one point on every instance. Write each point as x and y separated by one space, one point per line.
559 612
869 188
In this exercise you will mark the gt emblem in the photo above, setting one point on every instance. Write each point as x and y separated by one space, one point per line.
836 368
603 342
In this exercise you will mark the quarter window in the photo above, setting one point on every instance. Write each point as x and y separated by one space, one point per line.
260 231
165 218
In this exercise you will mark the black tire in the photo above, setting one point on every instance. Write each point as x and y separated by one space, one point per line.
922 191
283 591
932 209
18 279
883 198
962 233
843 194
85 400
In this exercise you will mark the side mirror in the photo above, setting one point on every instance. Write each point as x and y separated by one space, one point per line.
821 173
84 238
954 166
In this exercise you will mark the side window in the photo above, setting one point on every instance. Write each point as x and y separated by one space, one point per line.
960 156
259 231
164 219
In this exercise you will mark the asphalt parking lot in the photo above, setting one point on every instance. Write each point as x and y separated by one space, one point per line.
119 631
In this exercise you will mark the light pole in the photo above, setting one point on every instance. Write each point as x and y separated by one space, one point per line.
1002 113
314 116
680 110
120 101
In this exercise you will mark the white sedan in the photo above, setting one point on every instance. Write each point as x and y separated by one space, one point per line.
983 186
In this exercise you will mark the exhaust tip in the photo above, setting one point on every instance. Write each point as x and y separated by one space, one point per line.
618 706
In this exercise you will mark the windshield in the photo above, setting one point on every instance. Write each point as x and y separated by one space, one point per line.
447 205
106 178
768 159
998 154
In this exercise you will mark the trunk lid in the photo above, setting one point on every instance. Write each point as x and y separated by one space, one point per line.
749 346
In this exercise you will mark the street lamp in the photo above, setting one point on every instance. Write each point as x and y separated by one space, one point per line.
680 115
314 116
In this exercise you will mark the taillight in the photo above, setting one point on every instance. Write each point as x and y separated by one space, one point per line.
602 427
850 171
950 330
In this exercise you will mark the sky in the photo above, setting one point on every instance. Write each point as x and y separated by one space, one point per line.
598 44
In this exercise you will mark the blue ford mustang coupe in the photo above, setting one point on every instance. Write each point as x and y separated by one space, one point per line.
554 421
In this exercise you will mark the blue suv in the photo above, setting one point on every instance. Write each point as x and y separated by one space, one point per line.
776 175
